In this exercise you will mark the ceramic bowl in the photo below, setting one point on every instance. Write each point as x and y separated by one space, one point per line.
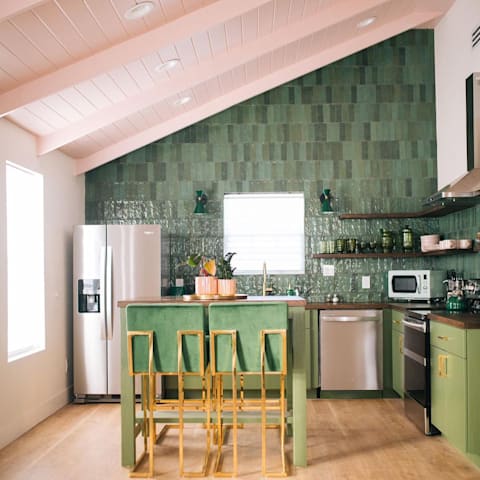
448 244
464 244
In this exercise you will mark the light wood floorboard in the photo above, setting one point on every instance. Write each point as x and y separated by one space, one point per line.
347 439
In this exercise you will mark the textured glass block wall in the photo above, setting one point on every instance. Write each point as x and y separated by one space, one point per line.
363 127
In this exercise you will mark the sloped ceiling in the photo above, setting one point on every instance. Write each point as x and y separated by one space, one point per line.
83 79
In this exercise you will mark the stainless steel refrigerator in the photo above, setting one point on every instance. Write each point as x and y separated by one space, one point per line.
111 263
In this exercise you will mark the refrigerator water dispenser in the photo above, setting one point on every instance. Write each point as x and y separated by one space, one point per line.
88 295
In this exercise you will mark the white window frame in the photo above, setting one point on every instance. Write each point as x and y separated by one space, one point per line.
25 261
265 228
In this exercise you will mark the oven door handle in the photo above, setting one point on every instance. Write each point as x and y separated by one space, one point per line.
421 327
415 356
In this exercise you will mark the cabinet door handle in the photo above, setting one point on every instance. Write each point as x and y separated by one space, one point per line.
400 344
442 337
442 365
397 322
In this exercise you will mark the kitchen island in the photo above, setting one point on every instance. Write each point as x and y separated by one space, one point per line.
296 373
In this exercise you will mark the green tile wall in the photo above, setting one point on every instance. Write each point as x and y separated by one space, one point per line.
363 127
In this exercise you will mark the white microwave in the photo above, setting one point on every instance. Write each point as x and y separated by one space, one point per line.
416 284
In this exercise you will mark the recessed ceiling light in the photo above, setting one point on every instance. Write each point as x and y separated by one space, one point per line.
182 101
365 23
168 65
139 10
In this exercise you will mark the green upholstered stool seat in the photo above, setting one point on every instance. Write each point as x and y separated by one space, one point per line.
165 320
247 320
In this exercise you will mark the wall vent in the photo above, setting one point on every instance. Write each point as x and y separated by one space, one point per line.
476 37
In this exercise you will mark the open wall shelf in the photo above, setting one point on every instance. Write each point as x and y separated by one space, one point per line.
435 253
435 211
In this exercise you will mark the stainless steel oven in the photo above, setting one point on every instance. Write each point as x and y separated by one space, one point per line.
417 370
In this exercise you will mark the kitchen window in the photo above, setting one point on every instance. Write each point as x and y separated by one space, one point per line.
265 227
25 262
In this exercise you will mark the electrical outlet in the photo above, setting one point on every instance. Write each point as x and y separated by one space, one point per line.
328 270
365 281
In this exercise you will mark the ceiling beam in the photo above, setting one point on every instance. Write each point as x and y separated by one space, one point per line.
196 75
340 50
10 8
124 52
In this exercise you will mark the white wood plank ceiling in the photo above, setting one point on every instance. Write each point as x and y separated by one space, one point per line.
83 79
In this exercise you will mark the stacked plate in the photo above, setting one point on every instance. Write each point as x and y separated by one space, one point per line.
430 243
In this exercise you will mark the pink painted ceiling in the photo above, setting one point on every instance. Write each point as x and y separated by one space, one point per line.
85 80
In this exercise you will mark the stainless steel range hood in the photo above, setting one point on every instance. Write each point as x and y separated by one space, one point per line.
465 191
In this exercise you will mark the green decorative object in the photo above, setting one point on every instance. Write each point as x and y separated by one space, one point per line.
325 200
201 201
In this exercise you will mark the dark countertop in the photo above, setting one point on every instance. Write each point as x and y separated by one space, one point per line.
457 319
344 306
465 320
400 306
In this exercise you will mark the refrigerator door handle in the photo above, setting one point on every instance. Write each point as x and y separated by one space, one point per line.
108 293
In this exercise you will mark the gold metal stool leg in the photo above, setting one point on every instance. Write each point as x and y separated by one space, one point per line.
280 405
221 403
148 382
203 404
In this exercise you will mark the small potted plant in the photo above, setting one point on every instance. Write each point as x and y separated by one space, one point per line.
227 285
206 281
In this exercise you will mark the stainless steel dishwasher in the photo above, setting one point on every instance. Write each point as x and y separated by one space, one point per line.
351 349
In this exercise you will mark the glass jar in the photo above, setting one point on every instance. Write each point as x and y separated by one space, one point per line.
340 245
407 239
387 241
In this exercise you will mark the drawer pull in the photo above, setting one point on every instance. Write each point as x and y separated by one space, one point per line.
397 322
442 337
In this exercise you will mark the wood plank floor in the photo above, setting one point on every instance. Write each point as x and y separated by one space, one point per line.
347 439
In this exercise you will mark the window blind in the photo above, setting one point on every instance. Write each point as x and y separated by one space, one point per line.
265 227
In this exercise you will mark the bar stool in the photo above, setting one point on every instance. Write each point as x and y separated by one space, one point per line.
248 339
169 339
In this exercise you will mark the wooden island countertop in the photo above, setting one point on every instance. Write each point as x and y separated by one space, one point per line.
291 301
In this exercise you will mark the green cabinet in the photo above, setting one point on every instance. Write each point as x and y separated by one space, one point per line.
455 356
397 353
312 353
449 396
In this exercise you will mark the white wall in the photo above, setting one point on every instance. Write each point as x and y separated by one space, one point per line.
34 387
455 60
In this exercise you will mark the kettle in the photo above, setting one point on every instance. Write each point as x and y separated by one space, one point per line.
456 303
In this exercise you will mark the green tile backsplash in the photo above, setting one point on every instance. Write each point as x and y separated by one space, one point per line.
363 127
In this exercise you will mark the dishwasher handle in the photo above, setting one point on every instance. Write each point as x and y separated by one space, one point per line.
348 318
